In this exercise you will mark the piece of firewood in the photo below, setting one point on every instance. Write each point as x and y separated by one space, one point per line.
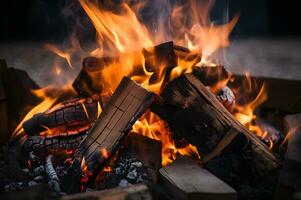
160 60
201 119
71 113
4 129
89 79
134 192
185 179
127 104
68 141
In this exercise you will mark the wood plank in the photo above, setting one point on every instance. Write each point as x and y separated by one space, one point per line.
185 179
109 130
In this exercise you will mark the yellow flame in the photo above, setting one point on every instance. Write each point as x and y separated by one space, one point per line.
99 110
85 109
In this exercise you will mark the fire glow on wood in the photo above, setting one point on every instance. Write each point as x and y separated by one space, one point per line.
127 48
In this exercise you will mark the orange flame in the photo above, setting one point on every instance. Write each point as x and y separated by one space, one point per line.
46 103
153 127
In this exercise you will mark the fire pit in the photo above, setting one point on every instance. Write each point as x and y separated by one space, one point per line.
149 117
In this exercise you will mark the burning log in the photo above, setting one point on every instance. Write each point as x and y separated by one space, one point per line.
90 81
53 179
186 179
69 114
62 142
195 114
128 102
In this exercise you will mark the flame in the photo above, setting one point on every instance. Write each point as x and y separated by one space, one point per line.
99 109
245 113
60 53
121 35
153 127
85 109
46 103
105 153
65 54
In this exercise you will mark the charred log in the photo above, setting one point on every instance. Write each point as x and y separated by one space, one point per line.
69 114
89 80
201 119
57 143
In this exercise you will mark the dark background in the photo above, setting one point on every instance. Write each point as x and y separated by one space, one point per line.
38 20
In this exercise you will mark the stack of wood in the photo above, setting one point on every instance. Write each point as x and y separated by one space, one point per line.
192 105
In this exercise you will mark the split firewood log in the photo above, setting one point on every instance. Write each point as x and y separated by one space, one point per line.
194 113
186 179
68 141
126 105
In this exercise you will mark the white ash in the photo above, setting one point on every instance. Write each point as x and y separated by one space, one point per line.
14 186
226 97
127 170
53 179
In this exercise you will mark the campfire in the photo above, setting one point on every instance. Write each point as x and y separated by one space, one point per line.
152 114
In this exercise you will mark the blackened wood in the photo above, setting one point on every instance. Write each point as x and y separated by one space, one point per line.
72 113
204 121
128 102
185 179
57 143
165 55
89 80
4 128
210 76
